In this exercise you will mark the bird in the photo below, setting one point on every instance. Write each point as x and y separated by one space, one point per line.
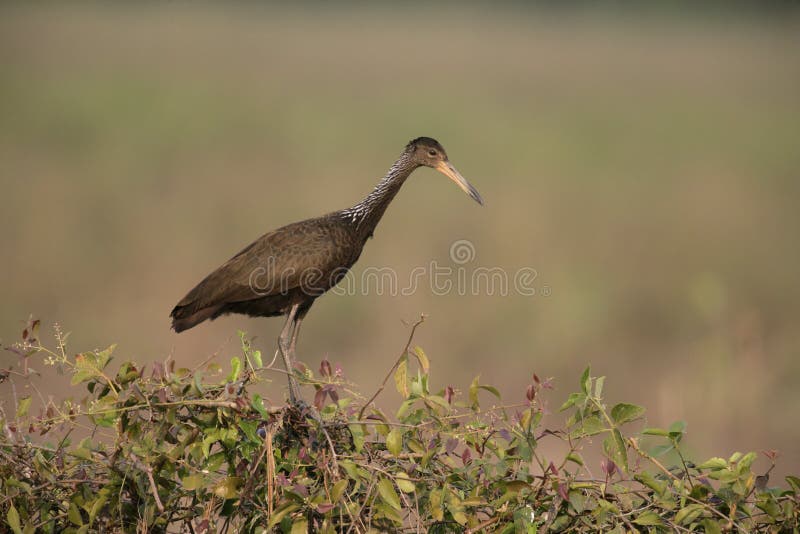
284 271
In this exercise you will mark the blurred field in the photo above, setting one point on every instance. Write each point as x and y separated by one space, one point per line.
647 168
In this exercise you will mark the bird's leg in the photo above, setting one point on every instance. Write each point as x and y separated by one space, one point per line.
283 345
295 332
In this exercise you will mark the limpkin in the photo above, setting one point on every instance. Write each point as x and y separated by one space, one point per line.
284 271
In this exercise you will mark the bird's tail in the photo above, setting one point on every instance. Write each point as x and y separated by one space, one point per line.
186 317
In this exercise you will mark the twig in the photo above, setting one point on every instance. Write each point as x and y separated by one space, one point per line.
270 471
394 367
489 522
153 487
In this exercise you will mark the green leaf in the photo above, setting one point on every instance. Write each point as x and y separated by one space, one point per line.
439 400
745 462
714 464
357 431
794 482
23 406
578 501
417 389
74 515
491 389
575 458
401 377
655 432
82 453
388 493
228 487
423 359
515 486
300 527
350 468
677 428
650 481
473 393
258 405
12 517
280 513
383 510
256 354
769 505
338 490
198 383
586 381
404 407
236 368
598 386
649 519
104 356
404 483
572 400
394 441
84 368
97 506
621 452
192 482
688 514
711 526
624 413
589 426
436 504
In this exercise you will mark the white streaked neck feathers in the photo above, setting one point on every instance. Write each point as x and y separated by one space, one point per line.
366 214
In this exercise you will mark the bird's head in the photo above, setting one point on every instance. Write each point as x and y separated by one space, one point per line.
428 152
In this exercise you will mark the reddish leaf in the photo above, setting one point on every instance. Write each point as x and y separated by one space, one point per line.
608 467
158 371
450 445
325 507
325 368
563 491
319 398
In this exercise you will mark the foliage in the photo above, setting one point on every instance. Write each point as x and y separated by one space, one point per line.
179 450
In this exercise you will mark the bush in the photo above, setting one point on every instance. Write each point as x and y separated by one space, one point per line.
180 450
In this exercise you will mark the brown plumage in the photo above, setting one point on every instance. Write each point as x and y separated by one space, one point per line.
285 270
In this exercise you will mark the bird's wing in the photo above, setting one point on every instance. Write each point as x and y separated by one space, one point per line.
300 255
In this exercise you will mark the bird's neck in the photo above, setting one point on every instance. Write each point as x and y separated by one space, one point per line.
367 213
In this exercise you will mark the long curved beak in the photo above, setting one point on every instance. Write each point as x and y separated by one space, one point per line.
446 168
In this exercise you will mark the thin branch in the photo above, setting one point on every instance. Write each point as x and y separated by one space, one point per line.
394 367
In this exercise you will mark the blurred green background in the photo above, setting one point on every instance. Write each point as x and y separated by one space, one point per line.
646 166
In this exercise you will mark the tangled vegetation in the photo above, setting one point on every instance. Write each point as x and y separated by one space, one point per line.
180 450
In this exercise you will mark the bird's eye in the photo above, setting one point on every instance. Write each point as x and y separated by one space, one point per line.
431 152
